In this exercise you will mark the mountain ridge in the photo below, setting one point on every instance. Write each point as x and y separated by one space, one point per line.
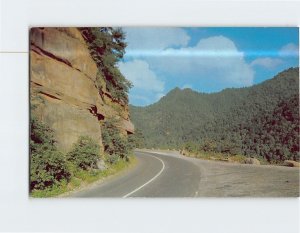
189 116
175 89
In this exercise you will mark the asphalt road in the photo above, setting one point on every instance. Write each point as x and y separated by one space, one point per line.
161 174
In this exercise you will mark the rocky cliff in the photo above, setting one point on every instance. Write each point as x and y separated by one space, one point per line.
62 87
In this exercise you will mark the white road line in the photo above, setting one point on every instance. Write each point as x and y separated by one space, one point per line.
148 182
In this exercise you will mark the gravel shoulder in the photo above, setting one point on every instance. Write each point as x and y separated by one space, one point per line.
223 179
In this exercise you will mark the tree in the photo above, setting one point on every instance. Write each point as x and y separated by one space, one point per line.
107 46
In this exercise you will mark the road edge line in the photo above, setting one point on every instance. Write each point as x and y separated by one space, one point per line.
149 181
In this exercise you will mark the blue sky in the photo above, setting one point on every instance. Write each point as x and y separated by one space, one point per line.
204 59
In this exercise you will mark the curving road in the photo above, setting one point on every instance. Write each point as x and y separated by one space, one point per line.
161 174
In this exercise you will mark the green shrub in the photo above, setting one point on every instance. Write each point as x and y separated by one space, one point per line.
114 142
47 164
85 153
112 159
136 140
208 146
228 147
47 168
41 136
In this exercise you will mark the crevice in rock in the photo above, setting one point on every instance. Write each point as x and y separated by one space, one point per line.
49 95
51 55
41 51
37 84
93 110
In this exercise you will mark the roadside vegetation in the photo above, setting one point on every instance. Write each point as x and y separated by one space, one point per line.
53 173
82 178
210 150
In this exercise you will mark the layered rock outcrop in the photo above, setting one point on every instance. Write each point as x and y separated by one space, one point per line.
62 87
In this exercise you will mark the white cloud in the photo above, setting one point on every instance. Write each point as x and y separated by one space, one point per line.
154 38
267 62
140 74
289 50
214 61
213 64
146 85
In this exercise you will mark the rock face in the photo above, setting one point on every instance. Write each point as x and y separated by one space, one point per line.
62 87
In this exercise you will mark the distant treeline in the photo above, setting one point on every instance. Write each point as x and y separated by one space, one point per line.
259 121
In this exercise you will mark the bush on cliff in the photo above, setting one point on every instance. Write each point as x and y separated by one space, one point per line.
84 154
47 168
47 164
115 144
41 136
137 139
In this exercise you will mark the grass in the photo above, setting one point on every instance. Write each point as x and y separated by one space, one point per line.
220 157
83 178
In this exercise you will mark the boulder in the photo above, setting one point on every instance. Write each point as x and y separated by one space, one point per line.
101 165
291 163
183 152
252 161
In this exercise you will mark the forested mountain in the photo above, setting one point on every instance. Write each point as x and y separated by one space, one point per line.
262 120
